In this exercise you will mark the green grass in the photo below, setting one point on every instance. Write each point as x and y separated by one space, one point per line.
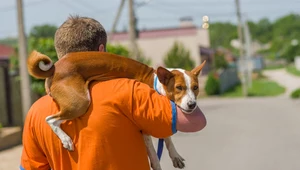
274 67
292 69
260 87
295 94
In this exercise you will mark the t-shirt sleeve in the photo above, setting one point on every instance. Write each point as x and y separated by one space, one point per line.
153 113
32 157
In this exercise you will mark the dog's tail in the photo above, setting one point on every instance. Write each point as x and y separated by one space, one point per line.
39 65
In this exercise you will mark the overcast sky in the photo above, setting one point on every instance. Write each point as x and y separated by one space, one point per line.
156 14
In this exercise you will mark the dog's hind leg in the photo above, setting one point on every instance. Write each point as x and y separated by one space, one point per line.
155 165
54 123
74 100
176 158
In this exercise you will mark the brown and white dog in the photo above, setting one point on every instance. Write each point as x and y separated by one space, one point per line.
71 91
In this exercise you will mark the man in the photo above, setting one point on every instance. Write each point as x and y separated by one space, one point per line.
108 136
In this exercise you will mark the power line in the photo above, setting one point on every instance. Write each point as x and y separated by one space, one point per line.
70 5
116 20
180 4
10 8
89 6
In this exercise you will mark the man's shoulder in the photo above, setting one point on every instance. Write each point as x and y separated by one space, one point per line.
43 104
46 99
115 83
120 86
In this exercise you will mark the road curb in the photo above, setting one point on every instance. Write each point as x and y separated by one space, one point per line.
9 137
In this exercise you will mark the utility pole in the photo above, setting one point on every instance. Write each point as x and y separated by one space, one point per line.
132 31
25 81
116 20
248 52
242 57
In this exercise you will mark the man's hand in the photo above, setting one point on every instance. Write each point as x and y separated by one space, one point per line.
192 122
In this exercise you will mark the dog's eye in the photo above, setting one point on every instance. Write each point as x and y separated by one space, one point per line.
195 87
179 87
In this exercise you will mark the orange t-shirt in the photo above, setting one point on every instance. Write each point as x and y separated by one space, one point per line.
107 137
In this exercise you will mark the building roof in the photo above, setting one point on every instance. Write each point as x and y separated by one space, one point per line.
158 33
6 51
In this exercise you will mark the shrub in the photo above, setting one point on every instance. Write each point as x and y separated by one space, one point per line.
46 46
117 49
295 94
179 57
123 51
220 61
212 86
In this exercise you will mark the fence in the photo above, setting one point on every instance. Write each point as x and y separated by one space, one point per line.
10 99
228 79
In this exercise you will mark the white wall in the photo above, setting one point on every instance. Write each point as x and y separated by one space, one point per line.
156 48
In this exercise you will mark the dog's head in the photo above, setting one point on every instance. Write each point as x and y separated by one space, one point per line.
181 86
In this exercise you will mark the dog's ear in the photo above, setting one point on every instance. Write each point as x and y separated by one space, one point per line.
164 75
197 70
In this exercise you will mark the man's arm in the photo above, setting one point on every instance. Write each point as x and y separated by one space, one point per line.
193 122
32 155
157 116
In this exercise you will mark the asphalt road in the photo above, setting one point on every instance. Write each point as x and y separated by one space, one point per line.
241 134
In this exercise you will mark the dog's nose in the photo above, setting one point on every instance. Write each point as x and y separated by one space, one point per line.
191 104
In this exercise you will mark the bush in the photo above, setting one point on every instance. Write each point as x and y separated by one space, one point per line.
295 94
179 57
212 86
293 70
118 50
46 46
123 51
220 61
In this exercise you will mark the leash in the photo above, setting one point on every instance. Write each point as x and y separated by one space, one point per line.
160 148
160 145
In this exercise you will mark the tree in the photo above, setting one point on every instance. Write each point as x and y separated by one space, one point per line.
179 57
41 38
287 26
220 61
117 49
285 29
11 41
46 46
261 31
43 31
221 34
123 51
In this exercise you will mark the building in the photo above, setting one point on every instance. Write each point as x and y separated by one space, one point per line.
6 116
6 52
155 43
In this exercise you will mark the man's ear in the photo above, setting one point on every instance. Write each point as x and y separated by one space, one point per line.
102 48
197 70
164 75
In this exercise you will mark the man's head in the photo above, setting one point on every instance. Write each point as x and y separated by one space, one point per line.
79 34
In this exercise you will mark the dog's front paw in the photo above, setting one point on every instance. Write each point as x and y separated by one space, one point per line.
67 142
178 161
